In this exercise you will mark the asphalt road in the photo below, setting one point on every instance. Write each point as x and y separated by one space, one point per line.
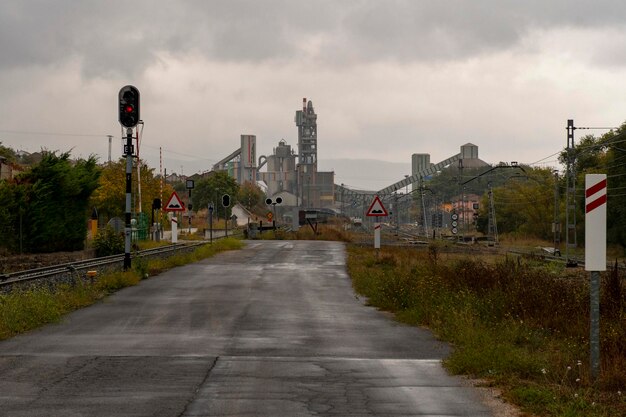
272 330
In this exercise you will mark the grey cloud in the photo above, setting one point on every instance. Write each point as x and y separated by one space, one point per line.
122 38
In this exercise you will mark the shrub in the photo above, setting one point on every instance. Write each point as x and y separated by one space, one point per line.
108 242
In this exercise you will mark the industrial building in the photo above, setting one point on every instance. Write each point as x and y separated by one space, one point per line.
292 176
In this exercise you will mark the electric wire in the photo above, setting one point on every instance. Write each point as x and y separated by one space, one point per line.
24 132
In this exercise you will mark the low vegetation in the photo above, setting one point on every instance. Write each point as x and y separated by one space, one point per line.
520 325
21 311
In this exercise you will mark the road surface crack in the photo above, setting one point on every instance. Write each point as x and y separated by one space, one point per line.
200 385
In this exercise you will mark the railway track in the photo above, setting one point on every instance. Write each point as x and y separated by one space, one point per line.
403 238
71 270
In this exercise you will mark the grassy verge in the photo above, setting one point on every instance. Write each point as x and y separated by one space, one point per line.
520 326
21 311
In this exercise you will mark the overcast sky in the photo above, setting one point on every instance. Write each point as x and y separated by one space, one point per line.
387 78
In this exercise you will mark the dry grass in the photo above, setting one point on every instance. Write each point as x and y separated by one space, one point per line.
521 324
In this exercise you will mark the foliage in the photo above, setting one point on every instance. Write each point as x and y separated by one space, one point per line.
108 242
445 185
524 205
603 155
110 198
519 325
9 154
250 195
47 205
211 188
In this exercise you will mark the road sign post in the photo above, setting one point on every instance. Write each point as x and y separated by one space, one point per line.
226 204
271 216
190 185
174 228
174 204
211 208
595 256
377 209
376 235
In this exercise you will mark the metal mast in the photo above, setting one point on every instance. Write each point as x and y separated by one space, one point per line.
570 195
492 228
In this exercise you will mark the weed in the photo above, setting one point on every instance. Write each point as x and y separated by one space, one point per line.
517 322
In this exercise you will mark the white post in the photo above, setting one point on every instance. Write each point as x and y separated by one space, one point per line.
174 229
595 256
377 235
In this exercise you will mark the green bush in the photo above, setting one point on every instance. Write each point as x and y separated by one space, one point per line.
108 242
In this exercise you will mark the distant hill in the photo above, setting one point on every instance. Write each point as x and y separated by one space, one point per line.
365 174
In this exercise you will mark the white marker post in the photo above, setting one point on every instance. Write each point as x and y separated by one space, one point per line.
376 235
595 256
174 229
377 210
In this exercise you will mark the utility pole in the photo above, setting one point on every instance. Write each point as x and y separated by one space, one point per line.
460 201
422 192
110 143
556 226
396 210
570 193
492 228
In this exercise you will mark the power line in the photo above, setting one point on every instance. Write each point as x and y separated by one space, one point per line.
542 159
24 132
595 128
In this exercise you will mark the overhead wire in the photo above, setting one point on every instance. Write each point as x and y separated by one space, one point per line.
24 132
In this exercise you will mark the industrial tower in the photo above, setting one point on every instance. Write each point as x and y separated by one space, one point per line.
306 120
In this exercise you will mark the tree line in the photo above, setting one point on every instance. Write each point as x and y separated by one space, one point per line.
46 207
525 204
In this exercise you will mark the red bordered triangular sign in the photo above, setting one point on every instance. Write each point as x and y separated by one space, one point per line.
377 209
174 203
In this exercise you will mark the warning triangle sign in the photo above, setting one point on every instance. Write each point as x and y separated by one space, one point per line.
377 209
174 203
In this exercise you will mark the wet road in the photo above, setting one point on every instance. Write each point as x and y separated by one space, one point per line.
271 330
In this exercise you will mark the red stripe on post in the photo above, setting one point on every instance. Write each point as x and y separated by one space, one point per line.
595 188
595 203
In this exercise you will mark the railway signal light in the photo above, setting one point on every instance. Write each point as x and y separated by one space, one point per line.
277 200
129 106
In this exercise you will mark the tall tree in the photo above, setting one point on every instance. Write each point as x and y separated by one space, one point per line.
615 168
250 195
110 197
50 204
524 204
211 189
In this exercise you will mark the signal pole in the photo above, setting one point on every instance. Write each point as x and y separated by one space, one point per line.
128 108
128 151
570 196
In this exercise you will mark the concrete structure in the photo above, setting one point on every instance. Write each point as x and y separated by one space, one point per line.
419 162
299 184
469 156
241 163
281 170
315 189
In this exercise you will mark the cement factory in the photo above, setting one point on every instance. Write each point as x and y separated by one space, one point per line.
294 176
